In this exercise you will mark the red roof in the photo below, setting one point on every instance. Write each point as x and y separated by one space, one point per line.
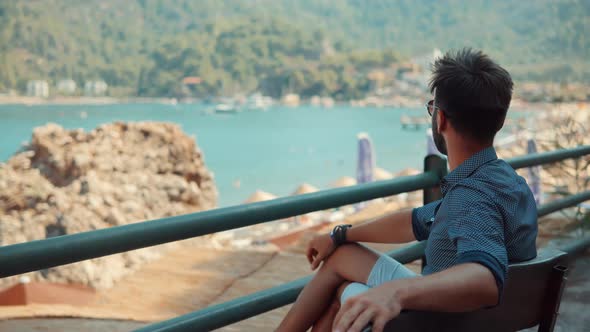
191 80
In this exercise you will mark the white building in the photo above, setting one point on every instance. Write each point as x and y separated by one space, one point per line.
291 99
38 88
66 87
425 61
95 88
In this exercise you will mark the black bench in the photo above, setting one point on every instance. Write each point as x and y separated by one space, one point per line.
531 297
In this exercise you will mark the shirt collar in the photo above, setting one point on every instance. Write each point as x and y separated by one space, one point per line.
467 168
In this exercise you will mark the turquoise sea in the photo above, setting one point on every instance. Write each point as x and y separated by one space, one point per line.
274 151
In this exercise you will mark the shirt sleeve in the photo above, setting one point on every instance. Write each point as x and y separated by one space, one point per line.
476 227
422 219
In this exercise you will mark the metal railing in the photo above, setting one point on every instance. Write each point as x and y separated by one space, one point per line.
41 254
233 311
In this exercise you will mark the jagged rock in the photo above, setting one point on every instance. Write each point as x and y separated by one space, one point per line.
70 181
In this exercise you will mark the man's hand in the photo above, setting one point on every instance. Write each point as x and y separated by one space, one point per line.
378 305
318 249
461 288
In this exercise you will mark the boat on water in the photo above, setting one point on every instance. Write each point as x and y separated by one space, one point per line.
226 109
258 102
415 122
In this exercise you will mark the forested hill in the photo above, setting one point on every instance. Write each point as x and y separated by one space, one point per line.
319 46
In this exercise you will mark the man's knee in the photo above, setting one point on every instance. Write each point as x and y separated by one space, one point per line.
351 261
340 290
340 254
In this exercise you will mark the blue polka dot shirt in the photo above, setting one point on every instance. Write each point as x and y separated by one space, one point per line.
487 215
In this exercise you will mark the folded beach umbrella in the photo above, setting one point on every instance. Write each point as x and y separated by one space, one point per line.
379 174
305 188
431 148
344 181
534 174
407 172
365 162
365 159
259 196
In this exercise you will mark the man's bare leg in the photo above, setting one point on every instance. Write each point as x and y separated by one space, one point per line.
324 324
349 262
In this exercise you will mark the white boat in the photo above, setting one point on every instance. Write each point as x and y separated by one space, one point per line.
226 109
258 102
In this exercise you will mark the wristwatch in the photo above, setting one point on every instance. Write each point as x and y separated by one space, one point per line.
338 234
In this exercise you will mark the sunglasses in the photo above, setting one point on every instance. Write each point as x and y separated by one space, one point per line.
430 107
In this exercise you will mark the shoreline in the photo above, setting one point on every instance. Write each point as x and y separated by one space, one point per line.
34 101
516 105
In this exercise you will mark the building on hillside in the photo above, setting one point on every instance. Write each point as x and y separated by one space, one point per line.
291 99
8 93
188 85
66 87
191 80
327 102
95 88
38 88
315 101
425 61
417 74
376 79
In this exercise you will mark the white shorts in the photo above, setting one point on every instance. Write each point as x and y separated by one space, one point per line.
385 269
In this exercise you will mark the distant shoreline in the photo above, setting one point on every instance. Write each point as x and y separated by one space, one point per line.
24 100
516 105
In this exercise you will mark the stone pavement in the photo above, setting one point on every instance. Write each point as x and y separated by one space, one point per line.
574 317
192 277
183 281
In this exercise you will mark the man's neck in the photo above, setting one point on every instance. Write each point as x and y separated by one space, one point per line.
462 151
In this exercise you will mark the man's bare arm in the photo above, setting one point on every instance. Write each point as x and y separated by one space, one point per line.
464 287
392 228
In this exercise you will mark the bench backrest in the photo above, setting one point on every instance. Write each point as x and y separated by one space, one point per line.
531 297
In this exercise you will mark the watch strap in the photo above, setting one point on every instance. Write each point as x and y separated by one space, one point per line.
338 234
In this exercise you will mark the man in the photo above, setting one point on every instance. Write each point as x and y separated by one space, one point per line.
486 219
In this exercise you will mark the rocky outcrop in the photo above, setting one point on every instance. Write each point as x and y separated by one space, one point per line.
70 181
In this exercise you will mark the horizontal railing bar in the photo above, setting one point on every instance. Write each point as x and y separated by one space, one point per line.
41 254
577 247
242 308
233 311
548 157
562 203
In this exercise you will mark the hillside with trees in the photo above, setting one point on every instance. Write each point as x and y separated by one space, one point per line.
320 47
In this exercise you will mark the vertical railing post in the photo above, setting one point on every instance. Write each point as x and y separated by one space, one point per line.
437 164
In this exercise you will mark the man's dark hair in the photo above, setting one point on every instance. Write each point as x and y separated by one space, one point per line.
473 91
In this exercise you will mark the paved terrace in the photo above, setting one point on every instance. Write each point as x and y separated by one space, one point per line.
190 278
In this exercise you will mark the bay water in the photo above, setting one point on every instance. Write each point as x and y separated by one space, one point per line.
274 150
